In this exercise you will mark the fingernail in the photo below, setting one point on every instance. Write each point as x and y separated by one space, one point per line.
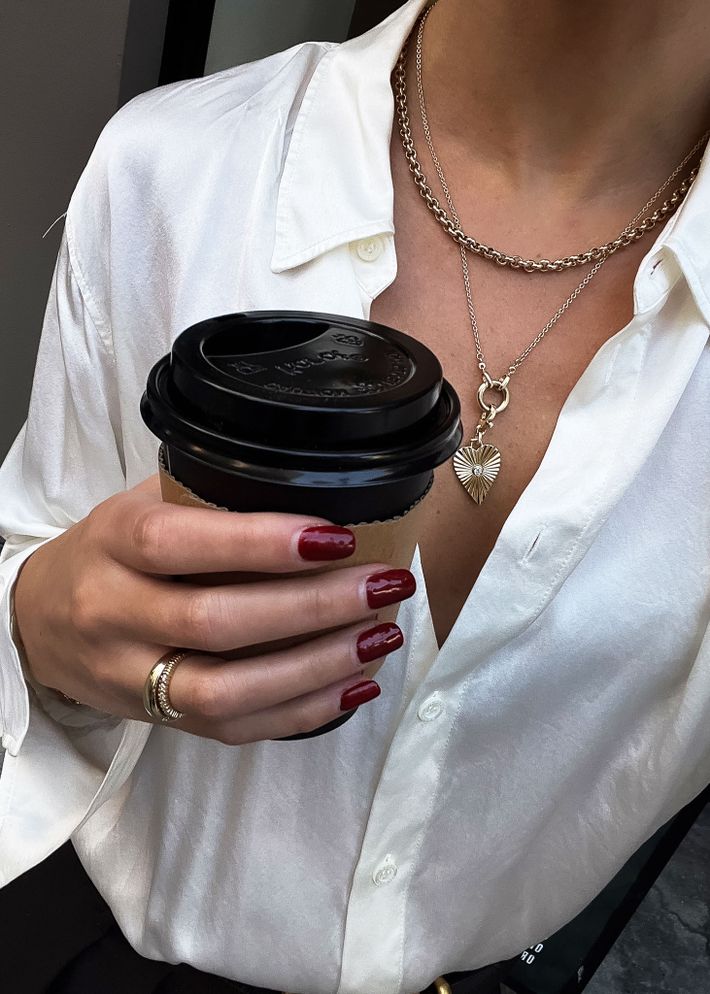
325 542
378 641
358 694
389 587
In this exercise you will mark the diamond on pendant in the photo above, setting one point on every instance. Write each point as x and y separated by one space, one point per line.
477 468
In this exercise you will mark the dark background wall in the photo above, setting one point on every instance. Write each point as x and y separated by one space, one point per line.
63 73
369 12
243 32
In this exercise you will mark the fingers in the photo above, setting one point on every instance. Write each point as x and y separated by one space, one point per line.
259 697
221 618
213 690
159 538
303 714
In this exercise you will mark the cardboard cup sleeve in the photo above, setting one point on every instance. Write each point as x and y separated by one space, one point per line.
391 542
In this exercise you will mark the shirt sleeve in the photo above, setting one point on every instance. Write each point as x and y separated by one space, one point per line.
61 761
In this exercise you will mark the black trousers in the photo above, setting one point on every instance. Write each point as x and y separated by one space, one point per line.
110 966
58 936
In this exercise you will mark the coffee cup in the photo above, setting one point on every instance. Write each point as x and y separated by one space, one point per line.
306 413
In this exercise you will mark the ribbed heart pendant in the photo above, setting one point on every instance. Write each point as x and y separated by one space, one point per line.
477 469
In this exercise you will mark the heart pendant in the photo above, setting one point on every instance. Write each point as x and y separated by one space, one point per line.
477 469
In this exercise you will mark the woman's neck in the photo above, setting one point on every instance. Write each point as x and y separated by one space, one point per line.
584 97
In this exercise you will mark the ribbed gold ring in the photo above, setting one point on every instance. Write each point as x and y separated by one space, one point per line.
155 690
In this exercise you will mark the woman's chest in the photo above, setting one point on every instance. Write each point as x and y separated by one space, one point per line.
428 301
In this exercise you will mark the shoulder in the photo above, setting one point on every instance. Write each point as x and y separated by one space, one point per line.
190 119
208 105
158 149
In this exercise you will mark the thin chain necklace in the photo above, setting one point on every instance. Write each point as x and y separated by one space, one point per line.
477 464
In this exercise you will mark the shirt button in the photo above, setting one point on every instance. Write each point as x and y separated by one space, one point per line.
431 709
387 872
369 249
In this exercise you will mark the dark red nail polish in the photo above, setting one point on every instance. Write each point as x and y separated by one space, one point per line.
358 694
378 641
390 586
325 542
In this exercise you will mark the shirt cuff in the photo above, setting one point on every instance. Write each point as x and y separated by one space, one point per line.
62 762
14 691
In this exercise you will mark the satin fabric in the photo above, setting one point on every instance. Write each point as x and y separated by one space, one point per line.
498 783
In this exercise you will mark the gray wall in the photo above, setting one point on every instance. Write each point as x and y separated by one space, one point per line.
62 76
60 70
245 30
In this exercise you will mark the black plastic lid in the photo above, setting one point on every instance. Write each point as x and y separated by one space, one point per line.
261 391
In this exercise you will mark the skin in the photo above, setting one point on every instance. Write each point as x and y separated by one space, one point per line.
103 609
531 93
544 159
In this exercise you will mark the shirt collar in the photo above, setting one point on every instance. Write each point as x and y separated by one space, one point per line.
687 238
336 184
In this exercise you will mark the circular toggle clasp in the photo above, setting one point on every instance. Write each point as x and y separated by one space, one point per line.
501 386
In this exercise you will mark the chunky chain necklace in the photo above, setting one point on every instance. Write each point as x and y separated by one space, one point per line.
477 464
631 233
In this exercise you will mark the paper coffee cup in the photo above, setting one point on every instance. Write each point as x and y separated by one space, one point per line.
312 414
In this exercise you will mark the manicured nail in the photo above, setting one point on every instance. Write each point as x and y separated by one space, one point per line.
325 542
378 641
390 586
358 694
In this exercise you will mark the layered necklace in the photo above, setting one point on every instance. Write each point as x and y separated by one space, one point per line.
477 464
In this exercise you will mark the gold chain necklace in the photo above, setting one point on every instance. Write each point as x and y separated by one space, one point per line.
631 233
477 464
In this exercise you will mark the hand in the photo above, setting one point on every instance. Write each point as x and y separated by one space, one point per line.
99 605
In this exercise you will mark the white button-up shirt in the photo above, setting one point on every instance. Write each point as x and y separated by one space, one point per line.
496 785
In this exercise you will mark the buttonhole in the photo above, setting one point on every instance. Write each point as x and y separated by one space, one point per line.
532 545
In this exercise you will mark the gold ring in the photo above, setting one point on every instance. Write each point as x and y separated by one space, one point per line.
155 690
